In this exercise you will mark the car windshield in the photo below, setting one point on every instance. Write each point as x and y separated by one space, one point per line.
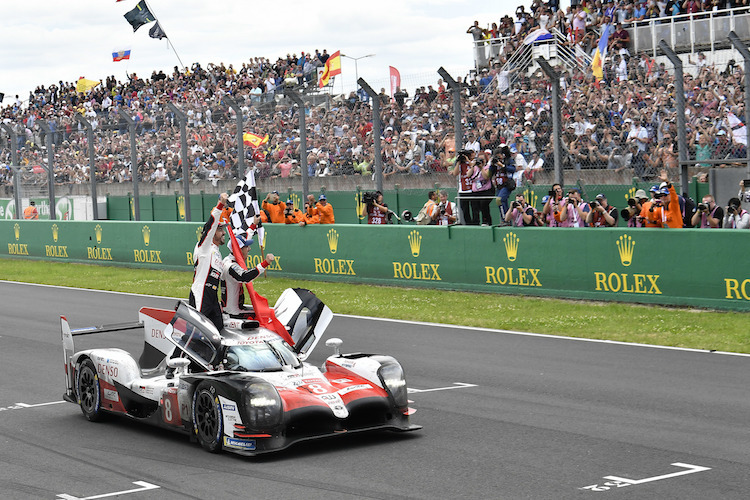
260 355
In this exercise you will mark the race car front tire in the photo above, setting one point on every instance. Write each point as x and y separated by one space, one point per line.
89 392
207 418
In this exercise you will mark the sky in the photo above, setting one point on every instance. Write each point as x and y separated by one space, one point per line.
45 41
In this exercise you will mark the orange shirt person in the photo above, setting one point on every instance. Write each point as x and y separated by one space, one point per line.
325 211
274 208
31 212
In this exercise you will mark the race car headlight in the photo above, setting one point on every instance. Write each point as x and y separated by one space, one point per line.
392 376
263 406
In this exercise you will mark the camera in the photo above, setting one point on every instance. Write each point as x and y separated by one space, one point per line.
407 216
551 193
515 204
702 206
369 197
625 214
594 203
442 208
732 208
631 202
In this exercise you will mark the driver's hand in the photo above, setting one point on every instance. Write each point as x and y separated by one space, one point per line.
270 257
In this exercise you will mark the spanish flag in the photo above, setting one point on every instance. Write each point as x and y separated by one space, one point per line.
254 140
85 85
601 51
332 68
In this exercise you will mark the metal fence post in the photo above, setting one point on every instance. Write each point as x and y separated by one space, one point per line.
377 129
554 77
92 164
240 141
458 131
679 92
13 137
740 46
50 168
294 96
182 121
133 162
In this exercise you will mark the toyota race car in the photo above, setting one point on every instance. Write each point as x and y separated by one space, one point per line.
243 389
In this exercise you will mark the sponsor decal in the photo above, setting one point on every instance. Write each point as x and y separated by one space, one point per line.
98 253
737 289
415 242
147 256
18 249
189 259
228 407
59 251
110 395
98 234
55 232
334 266
511 246
146 235
414 270
521 276
17 230
181 206
351 388
333 240
254 260
626 282
240 444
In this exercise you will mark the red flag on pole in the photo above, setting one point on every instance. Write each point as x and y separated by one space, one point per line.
395 80
264 314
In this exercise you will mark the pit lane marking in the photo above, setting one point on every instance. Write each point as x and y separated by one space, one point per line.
20 406
456 385
619 482
144 486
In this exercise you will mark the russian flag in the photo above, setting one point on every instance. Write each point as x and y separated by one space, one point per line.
119 55
597 62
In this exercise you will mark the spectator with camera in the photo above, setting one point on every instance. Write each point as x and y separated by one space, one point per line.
446 212
463 169
521 214
551 210
632 213
708 214
293 215
481 189
736 217
574 210
503 168
744 194
602 214
274 208
374 209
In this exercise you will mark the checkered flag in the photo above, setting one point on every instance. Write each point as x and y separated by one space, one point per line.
244 201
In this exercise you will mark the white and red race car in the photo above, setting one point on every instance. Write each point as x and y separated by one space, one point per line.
243 389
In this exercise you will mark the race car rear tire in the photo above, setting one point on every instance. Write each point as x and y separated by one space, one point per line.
89 391
208 423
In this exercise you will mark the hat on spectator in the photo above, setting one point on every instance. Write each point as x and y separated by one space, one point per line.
527 123
545 199
600 195
664 190
641 194
322 197
721 132
274 192
289 202
654 188
574 190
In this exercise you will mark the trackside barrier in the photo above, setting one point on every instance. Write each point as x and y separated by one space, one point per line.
656 266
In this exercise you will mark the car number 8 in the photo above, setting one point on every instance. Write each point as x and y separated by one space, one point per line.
317 388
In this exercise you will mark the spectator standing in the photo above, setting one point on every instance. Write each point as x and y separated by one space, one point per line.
602 214
274 208
574 210
736 217
463 170
521 214
375 210
325 210
708 214
31 212
447 213
481 189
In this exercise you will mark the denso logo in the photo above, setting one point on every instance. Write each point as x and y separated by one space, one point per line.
110 371
155 333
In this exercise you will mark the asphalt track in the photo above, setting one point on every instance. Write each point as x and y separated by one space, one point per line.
505 416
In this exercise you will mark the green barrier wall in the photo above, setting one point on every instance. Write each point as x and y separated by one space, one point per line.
677 267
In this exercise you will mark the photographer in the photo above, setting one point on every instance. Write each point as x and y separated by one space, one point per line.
574 210
602 214
446 213
744 195
551 210
374 209
708 214
632 213
521 214
503 168
736 217
463 169
481 189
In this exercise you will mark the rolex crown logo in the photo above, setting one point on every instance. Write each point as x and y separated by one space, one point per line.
296 200
146 235
55 232
511 246
181 207
198 232
415 242
17 230
98 233
530 196
360 204
333 240
631 193
625 245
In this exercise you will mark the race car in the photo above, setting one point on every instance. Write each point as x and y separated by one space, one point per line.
244 389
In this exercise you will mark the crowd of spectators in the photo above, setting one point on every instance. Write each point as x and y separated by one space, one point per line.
627 122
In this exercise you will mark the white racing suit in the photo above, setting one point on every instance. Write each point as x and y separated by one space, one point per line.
233 279
208 268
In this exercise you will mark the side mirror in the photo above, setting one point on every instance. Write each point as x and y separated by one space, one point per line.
178 362
336 344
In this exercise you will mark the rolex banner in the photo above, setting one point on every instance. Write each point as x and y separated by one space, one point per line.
627 265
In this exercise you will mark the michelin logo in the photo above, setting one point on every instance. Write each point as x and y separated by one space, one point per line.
240 444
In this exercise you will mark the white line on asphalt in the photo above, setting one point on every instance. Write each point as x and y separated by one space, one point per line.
143 487
441 325
456 385
691 469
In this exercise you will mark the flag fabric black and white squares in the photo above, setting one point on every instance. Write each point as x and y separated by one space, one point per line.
244 201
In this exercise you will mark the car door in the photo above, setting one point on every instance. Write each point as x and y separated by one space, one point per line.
305 316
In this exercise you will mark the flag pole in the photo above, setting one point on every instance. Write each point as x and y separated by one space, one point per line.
168 39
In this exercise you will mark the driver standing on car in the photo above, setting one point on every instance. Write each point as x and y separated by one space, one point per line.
232 291
208 266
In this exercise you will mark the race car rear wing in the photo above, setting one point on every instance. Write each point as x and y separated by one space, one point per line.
69 346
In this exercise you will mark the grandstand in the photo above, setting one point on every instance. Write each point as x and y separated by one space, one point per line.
505 100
